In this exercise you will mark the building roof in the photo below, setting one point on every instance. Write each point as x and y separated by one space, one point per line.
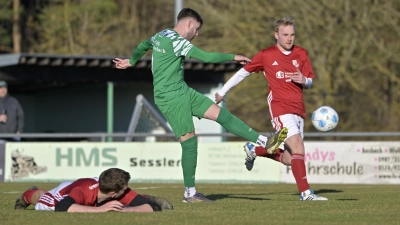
47 69
100 61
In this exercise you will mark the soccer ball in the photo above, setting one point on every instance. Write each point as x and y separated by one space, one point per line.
325 119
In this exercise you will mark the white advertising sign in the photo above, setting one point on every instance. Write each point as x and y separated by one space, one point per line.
147 162
350 163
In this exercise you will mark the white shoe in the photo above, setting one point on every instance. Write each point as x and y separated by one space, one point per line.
309 195
249 148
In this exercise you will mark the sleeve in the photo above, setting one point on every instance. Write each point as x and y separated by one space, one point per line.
64 204
78 195
140 200
307 69
256 63
209 57
140 50
128 196
20 118
233 81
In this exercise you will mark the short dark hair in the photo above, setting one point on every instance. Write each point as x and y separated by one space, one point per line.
113 179
188 12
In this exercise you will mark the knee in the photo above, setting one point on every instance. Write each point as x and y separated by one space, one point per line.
186 136
286 159
295 144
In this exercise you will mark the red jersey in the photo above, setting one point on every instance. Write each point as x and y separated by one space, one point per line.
83 191
284 96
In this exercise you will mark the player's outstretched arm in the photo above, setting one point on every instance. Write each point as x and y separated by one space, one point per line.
107 207
232 82
140 208
121 63
209 57
242 59
215 57
140 50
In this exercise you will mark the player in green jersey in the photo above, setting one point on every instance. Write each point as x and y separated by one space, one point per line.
179 103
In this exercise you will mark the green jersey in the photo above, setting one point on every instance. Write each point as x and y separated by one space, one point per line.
168 56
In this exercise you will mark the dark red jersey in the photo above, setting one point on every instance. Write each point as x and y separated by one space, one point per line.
284 96
84 191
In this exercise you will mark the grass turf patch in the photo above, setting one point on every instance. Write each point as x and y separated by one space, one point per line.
234 204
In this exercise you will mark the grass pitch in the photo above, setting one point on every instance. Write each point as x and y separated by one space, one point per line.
234 204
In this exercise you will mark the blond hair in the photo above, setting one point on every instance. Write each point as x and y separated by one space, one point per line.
285 21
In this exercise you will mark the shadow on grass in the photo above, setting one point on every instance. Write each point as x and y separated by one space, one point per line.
238 196
257 197
324 191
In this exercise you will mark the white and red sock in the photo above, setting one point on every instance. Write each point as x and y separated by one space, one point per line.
260 151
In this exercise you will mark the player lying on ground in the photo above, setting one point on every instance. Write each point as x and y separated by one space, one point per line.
109 192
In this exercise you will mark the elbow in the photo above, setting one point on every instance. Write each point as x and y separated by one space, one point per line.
206 60
61 208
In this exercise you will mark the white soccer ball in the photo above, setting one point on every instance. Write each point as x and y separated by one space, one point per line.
325 119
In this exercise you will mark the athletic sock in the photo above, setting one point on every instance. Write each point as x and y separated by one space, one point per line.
189 192
27 196
299 172
236 126
262 140
189 161
260 151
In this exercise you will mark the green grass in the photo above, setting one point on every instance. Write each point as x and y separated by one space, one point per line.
234 204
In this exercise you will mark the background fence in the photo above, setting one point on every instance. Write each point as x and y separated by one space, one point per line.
123 136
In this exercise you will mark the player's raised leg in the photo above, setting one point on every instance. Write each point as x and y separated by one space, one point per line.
237 127
252 152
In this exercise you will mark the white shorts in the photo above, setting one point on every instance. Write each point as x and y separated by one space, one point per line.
294 124
46 202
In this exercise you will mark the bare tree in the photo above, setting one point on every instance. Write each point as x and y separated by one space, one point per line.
16 27
353 46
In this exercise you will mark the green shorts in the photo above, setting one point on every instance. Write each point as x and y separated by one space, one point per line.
179 113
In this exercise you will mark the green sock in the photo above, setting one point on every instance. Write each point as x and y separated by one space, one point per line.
189 161
236 126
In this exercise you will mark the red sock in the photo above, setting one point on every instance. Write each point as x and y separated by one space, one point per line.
260 151
299 172
27 196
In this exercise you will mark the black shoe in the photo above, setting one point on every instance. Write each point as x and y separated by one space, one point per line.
165 204
20 204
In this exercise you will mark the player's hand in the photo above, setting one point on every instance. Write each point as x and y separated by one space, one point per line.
3 118
121 63
112 206
298 77
219 98
241 59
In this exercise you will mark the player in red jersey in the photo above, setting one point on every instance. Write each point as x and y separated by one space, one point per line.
288 71
109 192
